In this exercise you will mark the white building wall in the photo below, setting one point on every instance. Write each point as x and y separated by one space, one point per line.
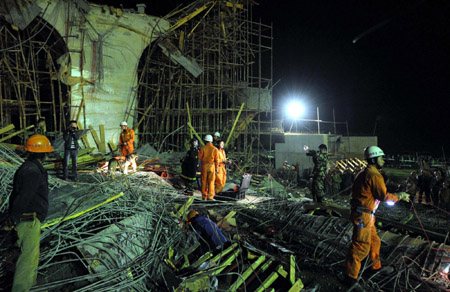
113 44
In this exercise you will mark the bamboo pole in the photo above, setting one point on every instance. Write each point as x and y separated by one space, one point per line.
7 128
234 125
16 133
196 135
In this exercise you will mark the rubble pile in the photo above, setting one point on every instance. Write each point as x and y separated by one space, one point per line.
129 233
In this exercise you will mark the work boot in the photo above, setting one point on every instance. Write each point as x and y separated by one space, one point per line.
352 284
386 270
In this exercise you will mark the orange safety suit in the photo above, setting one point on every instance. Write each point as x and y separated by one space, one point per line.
221 174
369 189
208 154
126 141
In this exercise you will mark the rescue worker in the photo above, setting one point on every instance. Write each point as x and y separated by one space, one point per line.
411 184
208 155
28 207
221 174
336 181
436 185
208 233
368 191
216 138
320 167
126 140
189 166
71 136
424 184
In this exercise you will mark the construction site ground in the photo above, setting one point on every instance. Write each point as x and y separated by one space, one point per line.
128 233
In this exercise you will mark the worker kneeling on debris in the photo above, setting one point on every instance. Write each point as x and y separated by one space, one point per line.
208 155
208 233
28 207
368 191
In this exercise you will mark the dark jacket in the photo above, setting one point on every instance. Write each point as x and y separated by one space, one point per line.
189 165
70 135
30 191
211 236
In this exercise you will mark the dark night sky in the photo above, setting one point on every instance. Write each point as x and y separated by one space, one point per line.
396 73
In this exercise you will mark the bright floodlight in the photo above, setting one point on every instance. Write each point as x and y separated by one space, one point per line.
295 109
390 203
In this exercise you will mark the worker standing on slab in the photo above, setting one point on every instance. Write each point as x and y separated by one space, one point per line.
71 136
320 160
126 140
189 166
221 174
28 207
208 155
368 191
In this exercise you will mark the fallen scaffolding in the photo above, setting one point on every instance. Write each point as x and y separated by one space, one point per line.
124 233
213 71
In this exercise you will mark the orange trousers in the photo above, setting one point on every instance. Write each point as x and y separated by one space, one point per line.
365 241
126 150
208 177
221 178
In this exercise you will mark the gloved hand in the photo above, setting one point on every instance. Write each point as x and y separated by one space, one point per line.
403 196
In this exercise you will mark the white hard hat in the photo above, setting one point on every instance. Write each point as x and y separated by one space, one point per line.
217 134
124 124
208 138
372 152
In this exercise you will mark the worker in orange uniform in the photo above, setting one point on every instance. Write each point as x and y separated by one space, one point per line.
208 154
368 191
221 173
126 140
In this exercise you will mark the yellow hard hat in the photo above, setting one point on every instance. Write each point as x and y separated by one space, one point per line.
38 144
191 215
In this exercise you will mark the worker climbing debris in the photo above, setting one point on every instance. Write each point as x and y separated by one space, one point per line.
126 140
368 191
208 155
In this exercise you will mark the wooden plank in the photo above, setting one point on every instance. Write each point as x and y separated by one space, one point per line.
16 133
7 128
112 146
102 139
240 280
292 269
95 136
298 286
268 282
84 138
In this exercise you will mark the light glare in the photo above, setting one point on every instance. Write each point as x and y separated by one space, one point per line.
295 109
390 203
